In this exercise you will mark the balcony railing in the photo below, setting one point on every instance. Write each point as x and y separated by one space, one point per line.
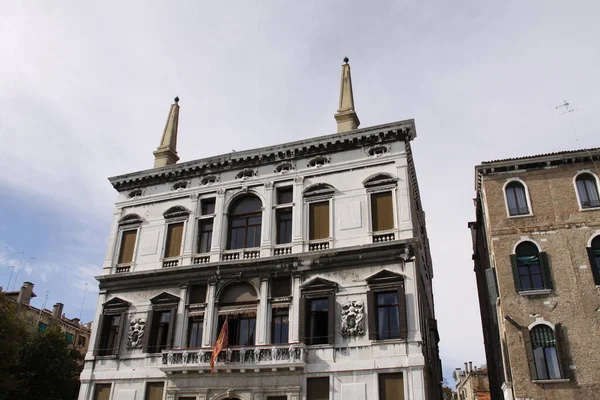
201 259
379 237
237 358
174 262
316 245
119 269
282 250
246 254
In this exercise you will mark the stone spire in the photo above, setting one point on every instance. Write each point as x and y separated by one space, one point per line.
166 153
346 117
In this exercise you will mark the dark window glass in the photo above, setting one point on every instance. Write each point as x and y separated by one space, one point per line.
242 329
588 191
529 267
595 255
205 228
284 226
279 325
160 331
70 338
208 206
245 223
42 327
197 294
544 352
318 321
388 315
317 388
516 198
285 195
110 332
195 327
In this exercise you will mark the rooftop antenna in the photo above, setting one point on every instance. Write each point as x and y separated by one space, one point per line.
18 269
32 268
565 108
83 301
10 277
42 309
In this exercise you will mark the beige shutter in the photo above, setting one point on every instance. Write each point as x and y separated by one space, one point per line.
127 246
319 220
391 386
102 391
382 213
174 236
154 390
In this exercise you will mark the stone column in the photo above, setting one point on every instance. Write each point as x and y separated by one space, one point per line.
297 214
190 228
262 312
181 320
219 224
266 221
209 315
403 212
295 308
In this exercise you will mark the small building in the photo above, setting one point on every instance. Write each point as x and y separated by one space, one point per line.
472 383
314 253
76 333
536 250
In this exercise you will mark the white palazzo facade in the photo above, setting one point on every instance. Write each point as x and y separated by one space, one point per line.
315 252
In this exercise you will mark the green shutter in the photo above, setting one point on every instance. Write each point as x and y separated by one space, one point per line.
371 315
561 348
529 352
594 265
546 270
515 268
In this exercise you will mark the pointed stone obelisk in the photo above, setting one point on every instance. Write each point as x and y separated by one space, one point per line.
346 117
166 153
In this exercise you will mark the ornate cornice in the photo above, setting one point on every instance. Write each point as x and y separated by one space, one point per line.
396 131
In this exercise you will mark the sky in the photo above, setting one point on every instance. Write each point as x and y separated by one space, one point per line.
85 88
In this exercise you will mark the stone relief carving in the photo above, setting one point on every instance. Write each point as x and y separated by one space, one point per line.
353 318
136 333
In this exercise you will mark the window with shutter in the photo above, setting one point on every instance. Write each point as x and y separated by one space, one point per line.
154 390
160 323
594 257
128 239
531 268
386 306
382 213
319 220
174 237
587 191
111 327
545 354
391 386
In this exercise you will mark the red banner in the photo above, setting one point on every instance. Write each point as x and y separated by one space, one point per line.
222 341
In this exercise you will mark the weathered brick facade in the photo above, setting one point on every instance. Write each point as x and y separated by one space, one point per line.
569 302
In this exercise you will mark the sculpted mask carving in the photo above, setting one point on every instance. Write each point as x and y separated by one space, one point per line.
353 318
136 333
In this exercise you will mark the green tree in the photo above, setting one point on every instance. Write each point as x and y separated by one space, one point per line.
47 368
13 333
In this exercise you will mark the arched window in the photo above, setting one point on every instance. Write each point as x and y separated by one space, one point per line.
530 268
245 219
545 355
516 198
237 304
587 191
594 255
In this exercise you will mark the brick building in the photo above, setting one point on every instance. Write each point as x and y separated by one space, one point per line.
536 244
472 383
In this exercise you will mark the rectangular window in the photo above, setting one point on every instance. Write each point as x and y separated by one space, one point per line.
197 294
208 206
109 339
318 321
81 341
242 328
319 220
285 195
159 334
195 327
42 327
127 246
205 229
317 388
284 225
391 386
154 390
174 237
280 325
102 391
382 213
388 315
70 338
281 287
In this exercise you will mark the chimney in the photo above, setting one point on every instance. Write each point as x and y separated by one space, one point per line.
75 321
57 311
470 366
25 293
466 368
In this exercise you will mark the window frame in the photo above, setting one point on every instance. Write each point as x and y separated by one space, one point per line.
317 288
597 183
279 208
379 191
384 282
167 237
230 218
594 263
112 308
561 352
545 271
162 303
98 385
174 215
129 222
201 218
527 198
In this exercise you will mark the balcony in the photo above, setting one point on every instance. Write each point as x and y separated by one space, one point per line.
245 254
122 268
379 237
170 262
316 245
201 259
239 359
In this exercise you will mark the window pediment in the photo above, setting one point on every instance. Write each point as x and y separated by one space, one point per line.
319 189
385 277
164 298
380 179
116 302
318 284
176 212
131 219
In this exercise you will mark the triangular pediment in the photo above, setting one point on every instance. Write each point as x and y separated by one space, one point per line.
318 284
164 298
385 276
117 302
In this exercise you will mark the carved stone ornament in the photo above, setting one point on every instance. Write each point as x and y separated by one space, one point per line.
353 318
136 333
269 185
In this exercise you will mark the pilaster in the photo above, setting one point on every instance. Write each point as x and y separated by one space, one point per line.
293 318
297 215
180 320
267 217
209 326
218 225
188 245
262 312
